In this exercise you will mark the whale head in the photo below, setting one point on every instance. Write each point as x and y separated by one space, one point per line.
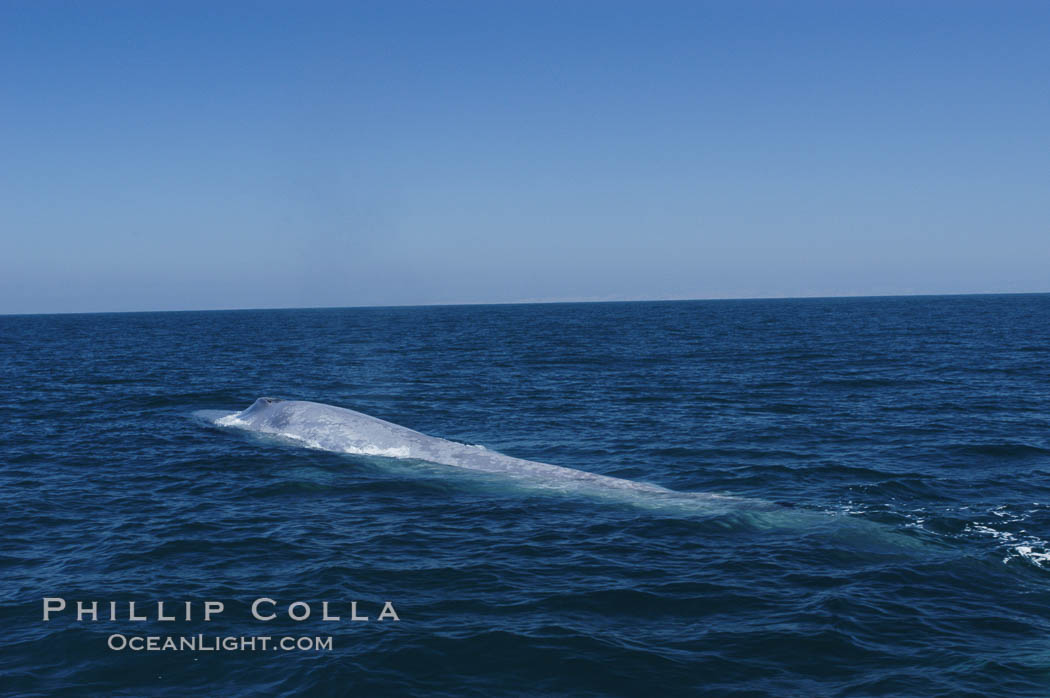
260 406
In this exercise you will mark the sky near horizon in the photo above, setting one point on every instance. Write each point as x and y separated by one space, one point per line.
186 155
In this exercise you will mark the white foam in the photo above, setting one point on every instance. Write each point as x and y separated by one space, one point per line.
231 420
1034 550
1017 543
1038 558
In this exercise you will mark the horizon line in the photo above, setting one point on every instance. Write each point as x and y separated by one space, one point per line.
556 301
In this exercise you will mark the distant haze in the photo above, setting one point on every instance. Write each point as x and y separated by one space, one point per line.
223 155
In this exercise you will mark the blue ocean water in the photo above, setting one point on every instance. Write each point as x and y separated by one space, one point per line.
899 448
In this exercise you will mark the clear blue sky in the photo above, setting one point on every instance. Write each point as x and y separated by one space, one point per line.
219 155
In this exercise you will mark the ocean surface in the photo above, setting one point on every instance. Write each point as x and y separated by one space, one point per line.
888 532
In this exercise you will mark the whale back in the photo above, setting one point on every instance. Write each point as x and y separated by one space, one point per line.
342 430
331 428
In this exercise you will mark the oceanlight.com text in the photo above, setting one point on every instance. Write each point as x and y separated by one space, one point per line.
218 643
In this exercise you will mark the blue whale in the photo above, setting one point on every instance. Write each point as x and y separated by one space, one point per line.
341 430
337 429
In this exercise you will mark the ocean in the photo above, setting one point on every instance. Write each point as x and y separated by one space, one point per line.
885 529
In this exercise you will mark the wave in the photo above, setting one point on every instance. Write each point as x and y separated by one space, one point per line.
1001 450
